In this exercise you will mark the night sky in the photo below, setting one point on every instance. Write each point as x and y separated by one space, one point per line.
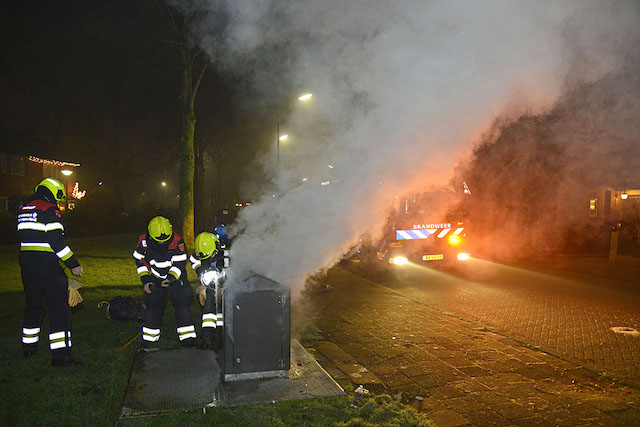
99 83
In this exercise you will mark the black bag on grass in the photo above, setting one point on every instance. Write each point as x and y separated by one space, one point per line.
124 308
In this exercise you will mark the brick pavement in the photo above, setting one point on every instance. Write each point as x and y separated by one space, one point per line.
568 312
455 371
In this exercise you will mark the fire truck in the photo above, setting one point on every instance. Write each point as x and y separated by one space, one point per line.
429 228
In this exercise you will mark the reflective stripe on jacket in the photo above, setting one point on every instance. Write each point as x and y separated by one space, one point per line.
157 262
41 230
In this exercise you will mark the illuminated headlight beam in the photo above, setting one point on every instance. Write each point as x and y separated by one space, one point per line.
399 260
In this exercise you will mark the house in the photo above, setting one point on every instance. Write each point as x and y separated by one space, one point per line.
21 171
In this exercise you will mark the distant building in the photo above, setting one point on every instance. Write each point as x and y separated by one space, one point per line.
22 168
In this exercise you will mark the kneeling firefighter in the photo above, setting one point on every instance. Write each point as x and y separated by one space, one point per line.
208 264
161 261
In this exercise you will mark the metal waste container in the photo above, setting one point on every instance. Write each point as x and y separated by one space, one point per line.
257 328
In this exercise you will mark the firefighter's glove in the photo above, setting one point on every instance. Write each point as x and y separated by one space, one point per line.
202 294
74 294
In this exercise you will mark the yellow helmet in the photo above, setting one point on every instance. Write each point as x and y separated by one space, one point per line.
160 229
206 245
55 186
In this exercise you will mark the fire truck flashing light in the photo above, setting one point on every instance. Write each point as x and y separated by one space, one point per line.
455 239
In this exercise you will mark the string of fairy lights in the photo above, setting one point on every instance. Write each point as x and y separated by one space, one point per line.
52 162
76 193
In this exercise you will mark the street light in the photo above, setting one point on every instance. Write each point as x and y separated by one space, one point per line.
164 188
280 138
304 97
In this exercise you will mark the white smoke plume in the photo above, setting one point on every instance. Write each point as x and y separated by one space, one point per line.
402 90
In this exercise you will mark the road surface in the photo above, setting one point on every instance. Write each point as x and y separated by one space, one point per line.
565 306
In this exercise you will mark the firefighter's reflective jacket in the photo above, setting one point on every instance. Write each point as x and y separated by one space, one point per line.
158 261
41 232
212 316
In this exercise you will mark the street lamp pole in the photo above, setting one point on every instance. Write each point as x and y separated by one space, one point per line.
66 173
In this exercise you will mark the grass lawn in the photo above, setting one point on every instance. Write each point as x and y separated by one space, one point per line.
34 393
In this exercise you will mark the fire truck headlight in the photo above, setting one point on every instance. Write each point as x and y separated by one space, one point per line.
399 260
455 239
463 256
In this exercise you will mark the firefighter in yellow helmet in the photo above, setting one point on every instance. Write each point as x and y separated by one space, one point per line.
42 247
161 260
208 265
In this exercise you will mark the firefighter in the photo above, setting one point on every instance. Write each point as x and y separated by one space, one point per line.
225 244
161 260
42 246
207 261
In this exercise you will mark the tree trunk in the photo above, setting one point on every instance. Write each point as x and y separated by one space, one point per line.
198 187
187 163
218 198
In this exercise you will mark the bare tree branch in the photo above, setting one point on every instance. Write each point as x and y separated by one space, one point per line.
199 80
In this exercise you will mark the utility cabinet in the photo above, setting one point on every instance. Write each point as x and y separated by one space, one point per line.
257 329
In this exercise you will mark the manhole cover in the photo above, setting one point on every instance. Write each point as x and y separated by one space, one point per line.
625 330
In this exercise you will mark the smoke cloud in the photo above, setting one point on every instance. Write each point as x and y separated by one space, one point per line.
402 91
534 177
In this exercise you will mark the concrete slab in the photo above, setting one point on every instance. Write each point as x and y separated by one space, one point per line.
306 380
172 380
188 380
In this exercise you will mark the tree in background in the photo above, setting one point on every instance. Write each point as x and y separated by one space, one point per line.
194 64
213 152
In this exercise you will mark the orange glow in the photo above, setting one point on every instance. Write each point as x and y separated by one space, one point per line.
455 239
